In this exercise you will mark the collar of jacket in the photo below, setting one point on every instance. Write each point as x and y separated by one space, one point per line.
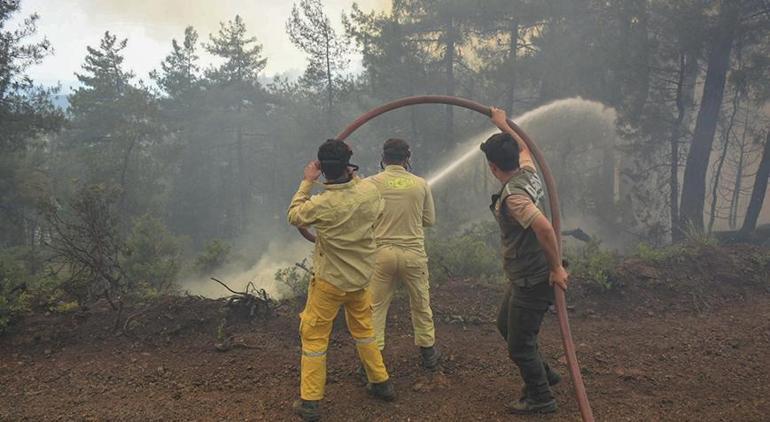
395 167
340 186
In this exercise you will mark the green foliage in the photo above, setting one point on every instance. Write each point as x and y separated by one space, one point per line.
25 109
86 245
241 53
151 256
310 29
591 262
65 307
294 279
115 135
474 253
216 152
649 253
179 71
697 236
14 282
695 241
216 254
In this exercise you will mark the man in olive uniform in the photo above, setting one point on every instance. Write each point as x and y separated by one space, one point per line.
343 216
531 260
401 253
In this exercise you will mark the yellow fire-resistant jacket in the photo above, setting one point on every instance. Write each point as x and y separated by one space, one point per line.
408 208
343 216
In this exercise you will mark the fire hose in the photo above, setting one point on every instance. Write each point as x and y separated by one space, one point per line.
553 205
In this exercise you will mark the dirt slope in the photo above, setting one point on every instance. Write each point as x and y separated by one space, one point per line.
653 350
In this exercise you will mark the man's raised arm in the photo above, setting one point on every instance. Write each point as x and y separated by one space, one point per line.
500 120
302 211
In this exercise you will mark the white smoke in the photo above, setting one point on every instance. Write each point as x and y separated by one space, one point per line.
279 254
577 136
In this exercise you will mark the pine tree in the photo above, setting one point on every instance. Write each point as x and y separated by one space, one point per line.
191 161
114 128
242 54
26 115
237 102
179 72
25 109
694 184
328 54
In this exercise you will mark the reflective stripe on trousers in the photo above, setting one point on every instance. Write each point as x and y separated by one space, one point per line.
323 303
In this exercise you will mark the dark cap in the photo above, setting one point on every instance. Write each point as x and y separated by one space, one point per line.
334 156
396 150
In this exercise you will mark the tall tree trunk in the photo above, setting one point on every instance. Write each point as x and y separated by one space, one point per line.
736 197
638 46
449 63
721 163
759 191
329 82
512 52
694 185
674 143
122 206
685 92
243 191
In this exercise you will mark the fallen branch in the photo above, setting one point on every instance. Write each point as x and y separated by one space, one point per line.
252 303
228 287
229 343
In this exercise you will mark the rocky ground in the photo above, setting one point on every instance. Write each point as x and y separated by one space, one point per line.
686 339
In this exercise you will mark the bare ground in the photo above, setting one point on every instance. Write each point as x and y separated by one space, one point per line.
683 340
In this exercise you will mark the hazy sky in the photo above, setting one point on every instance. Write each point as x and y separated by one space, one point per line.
150 25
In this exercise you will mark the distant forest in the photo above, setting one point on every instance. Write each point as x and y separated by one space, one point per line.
211 153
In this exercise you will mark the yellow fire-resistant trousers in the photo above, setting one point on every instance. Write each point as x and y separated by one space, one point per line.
396 264
323 302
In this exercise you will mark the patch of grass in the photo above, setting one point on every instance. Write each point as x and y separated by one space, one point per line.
698 237
66 307
593 263
475 253
16 281
652 254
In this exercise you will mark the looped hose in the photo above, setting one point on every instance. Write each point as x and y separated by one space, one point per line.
553 204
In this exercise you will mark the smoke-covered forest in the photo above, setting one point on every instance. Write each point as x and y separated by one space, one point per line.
128 187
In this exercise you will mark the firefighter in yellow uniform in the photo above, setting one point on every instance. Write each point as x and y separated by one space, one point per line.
401 253
343 216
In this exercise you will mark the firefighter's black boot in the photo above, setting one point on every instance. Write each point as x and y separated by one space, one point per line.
553 379
430 357
382 390
309 410
530 406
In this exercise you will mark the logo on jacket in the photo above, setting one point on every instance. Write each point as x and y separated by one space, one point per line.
401 183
